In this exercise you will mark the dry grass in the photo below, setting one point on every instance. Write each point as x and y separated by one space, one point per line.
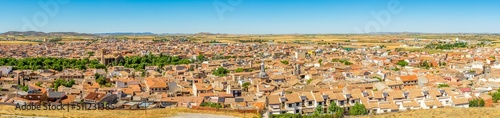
16 42
443 113
154 113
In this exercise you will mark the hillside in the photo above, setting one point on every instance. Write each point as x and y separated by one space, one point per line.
443 113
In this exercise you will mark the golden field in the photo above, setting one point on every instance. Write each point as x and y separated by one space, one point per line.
153 113
443 113
16 42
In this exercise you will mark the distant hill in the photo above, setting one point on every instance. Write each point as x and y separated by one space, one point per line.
125 33
34 33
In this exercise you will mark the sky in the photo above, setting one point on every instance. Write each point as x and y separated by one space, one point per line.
251 16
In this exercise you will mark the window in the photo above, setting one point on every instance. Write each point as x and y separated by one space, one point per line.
290 105
296 111
310 103
298 104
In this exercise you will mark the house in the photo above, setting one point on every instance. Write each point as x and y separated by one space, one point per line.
154 85
95 97
55 96
410 80
5 70
460 102
202 88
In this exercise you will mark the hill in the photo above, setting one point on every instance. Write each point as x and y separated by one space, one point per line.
443 113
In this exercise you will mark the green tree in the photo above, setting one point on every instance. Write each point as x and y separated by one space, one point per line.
358 109
402 63
476 103
24 88
320 61
496 96
336 110
379 79
90 53
318 111
239 70
309 81
200 58
284 62
246 85
443 85
39 84
220 72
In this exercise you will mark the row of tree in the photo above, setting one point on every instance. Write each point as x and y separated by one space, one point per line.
447 46
140 62
333 111
345 62
50 63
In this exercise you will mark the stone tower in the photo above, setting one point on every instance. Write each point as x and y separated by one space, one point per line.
486 70
103 57
262 73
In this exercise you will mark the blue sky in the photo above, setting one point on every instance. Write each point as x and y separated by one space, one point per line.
251 16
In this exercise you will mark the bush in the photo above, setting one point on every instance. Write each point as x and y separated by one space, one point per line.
220 72
358 109
476 103
286 115
443 85
211 104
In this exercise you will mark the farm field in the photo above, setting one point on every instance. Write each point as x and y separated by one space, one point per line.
153 113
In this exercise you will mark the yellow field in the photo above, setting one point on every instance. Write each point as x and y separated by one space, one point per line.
443 113
16 42
154 113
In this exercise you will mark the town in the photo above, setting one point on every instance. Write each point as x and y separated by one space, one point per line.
267 77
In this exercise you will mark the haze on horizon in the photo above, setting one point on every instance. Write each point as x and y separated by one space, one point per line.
251 16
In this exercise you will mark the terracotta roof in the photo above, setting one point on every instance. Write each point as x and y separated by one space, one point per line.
408 78
292 98
274 99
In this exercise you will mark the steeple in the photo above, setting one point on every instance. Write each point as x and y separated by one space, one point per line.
262 73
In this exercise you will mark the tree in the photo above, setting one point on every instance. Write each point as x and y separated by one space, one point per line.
358 109
496 96
443 85
320 61
90 54
24 88
336 110
402 63
220 72
39 84
246 85
239 70
62 82
200 58
284 62
318 111
102 81
476 103
309 81
379 79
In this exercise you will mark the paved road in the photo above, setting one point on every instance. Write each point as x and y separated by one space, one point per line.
198 115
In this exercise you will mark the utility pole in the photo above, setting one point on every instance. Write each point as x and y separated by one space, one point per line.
145 105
